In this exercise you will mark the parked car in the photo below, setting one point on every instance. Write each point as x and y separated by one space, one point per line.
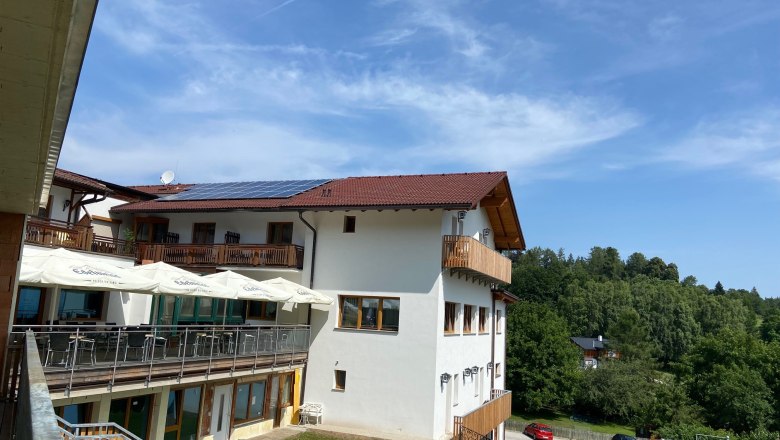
538 431
622 437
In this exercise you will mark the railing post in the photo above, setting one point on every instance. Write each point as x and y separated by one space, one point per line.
116 358
235 349
211 351
73 363
183 353
257 349
153 341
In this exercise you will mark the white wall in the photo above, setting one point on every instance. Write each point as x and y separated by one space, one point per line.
253 226
391 254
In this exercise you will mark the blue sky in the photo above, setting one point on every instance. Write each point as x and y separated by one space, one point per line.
648 126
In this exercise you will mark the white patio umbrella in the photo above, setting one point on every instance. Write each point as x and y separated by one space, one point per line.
300 294
180 282
175 281
248 288
61 267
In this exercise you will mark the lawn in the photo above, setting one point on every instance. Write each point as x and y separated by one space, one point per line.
564 421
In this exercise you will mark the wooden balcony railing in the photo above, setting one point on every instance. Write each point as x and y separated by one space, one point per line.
56 233
273 255
487 417
472 258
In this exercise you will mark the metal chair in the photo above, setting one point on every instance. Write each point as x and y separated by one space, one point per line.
59 343
136 340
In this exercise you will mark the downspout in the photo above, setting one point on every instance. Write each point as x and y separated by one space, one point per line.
492 342
311 286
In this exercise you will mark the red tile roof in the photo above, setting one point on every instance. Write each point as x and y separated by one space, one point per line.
69 178
455 191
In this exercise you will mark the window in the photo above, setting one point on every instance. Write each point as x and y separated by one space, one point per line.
80 304
150 229
250 401
483 314
261 310
76 413
132 413
499 322
349 223
369 313
286 397
29 304
280 233
203 233
450 317
498 370
468 316
341 380
182 414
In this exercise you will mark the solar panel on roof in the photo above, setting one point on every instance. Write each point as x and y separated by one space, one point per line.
247 190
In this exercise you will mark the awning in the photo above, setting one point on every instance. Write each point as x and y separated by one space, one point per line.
248 288
61 267
300 294
175 281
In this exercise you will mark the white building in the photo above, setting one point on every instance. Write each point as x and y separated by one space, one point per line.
414 342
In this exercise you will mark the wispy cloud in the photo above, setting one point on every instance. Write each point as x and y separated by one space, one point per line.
748 142
275 8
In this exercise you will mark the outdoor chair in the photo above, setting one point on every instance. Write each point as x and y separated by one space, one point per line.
136 340
59 343
155 339
247 339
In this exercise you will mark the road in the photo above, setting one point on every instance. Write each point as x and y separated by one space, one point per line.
516 435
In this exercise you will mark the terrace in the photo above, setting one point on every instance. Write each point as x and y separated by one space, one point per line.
90 357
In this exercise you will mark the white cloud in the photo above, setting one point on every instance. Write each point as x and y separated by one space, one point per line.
750 142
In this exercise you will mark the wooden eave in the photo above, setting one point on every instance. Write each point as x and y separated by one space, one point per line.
500 208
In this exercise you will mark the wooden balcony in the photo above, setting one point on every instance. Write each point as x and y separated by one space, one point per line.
56 233
469 257
487 417
257 255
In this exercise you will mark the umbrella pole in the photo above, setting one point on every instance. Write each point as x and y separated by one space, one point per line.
55 297
224 313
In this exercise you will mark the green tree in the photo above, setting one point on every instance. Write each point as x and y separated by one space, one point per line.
635 265
542 362
630 335
770 326
618 390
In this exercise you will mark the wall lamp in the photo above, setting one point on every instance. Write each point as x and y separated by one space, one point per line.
461 215
474 369
467 372
445 378
65 204
486 232
490 365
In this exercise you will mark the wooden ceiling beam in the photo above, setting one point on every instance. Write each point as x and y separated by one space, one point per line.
493 202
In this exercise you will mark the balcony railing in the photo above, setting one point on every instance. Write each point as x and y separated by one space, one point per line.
468 256
34 414
56 233
272 255
485 418
94 431
94 356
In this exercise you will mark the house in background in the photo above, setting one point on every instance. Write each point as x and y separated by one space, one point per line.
594 350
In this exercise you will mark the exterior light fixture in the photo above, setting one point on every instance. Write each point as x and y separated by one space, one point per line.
490 365
486 232
445 378
65 204
467 372
461 215
474 369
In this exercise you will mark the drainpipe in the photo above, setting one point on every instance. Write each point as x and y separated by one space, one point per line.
493 341
311 286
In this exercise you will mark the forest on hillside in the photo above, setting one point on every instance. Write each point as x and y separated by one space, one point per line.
694 359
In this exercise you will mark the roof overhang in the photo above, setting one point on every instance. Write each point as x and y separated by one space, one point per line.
500 207
504 295
43 50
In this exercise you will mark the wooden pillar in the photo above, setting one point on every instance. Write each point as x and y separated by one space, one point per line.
11 238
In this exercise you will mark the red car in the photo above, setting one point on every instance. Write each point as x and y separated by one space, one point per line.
538 431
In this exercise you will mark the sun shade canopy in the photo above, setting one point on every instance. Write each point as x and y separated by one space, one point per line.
300 294
175 281
61 267
248 288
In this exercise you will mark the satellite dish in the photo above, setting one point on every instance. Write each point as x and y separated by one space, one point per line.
167 177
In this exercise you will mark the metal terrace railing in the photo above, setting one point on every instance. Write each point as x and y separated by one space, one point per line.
93 431
269 255
93 356
56 233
